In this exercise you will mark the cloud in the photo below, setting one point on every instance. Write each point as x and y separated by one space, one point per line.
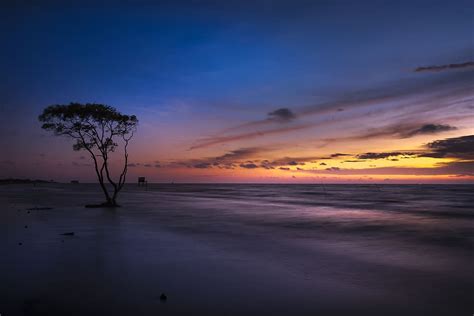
339 155
202 165
401 131
408 99
454 168
450 168
396 91
133 165
266 164
282 115
248 166
245 136
284 168
458 147
430 129
229 160
157 165
461 148
436 68
7 162
384 155
293 161
242 153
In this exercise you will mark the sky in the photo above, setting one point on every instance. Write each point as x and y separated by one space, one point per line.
247 91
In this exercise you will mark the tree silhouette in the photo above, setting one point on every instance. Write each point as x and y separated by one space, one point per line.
96 129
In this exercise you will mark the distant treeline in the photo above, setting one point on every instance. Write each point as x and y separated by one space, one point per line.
20 181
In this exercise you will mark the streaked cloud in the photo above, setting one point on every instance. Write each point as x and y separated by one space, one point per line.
246 136
436 68
411 103
429 129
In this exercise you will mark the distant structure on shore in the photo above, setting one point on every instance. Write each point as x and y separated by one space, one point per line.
74 181
142 181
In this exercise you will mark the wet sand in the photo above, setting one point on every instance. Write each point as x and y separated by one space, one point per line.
236 250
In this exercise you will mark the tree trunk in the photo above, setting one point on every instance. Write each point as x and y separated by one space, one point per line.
114 197
106 193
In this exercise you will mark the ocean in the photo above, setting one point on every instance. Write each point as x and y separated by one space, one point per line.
238 249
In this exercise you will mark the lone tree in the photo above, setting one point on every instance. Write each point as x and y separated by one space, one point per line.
96 129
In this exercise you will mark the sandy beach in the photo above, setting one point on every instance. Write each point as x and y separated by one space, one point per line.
237 250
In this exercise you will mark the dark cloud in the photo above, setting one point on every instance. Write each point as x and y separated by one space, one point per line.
322 164
384 155
227 161
157 165
293 161
436 68
282 115
455 168
458 147
284 168
333 169
240 158
7 162
147 165
461 148
133 165
339 155
248 166
266 165
202 165
242 153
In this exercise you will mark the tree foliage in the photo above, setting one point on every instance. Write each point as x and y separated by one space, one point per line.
97 129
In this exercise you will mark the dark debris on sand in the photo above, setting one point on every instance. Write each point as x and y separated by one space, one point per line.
163 297
39 209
